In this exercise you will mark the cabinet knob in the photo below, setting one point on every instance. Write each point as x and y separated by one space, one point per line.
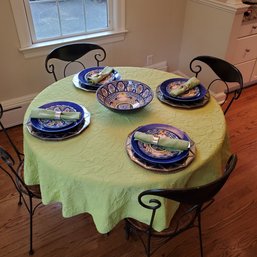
247 13
247 50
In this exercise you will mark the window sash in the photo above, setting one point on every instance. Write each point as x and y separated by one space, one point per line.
30 49
62 34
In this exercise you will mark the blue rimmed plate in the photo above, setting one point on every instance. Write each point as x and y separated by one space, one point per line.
78 85
56 126
84 74
61 135
155 154
191 95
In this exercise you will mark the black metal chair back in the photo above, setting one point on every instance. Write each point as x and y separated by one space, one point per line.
71 53
19 154
192 203
226 72
16 175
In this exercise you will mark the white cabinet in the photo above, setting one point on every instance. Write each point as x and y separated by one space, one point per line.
246 46
222 29
246 49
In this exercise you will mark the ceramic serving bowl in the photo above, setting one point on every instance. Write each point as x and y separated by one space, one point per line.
124 95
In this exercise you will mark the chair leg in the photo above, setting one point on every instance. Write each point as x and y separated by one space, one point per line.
200 234
31 251
148 246
127 229
20 201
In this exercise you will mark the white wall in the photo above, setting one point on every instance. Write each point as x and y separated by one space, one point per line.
154 27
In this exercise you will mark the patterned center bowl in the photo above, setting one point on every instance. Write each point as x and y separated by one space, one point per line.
124 95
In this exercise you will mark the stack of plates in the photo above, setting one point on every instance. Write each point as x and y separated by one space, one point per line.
156 158
50 129
195 97
80 80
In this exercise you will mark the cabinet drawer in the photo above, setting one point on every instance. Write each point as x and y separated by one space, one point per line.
246 69
254 75
247 29
246 49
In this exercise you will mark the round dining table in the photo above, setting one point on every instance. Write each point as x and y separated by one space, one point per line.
92 171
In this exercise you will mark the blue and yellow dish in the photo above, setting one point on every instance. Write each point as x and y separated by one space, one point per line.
124 95
54 126
195 94
155 154
84 74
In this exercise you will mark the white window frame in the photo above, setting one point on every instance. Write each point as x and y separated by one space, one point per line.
39 49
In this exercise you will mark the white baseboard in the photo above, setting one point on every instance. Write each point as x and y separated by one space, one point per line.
178 72
14 110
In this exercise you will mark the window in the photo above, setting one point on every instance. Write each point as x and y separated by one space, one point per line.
49 20
42 24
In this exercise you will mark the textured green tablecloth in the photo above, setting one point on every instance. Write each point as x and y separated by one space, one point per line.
92 172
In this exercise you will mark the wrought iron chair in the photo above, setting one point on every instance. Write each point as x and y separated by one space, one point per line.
16 175
193 201
19 154
71 53
226 72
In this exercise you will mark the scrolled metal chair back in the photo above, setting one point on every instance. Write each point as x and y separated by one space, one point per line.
14 173
7 165
19 154
71 53
225 71
193 201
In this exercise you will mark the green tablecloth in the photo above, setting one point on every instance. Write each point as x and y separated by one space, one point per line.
92 172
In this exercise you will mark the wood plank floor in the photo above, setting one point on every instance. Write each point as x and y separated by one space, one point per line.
229 226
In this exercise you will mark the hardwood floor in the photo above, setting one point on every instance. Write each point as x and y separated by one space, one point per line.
229 225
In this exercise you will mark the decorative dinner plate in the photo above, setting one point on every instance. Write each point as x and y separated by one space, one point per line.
162 168
184 105
156 154
155 151
61 135
124 95
53 126
191 95
84 74
77 84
